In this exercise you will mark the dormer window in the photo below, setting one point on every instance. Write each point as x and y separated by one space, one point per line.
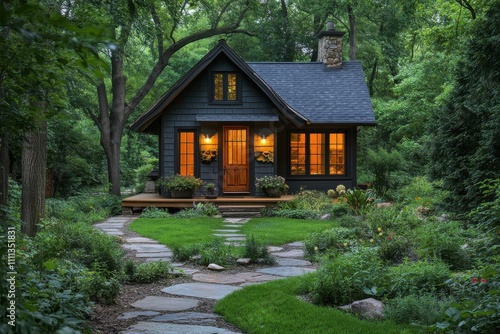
225 87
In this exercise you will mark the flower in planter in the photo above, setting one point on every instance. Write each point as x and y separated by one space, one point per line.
272 182
181 182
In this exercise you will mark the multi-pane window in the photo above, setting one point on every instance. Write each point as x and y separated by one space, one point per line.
317 154
186 153
225 86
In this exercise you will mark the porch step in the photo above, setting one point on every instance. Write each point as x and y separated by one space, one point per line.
239 211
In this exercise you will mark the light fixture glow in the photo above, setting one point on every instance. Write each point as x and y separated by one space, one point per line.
207 139
263 139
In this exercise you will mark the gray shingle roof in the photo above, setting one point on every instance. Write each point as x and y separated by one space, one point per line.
322 95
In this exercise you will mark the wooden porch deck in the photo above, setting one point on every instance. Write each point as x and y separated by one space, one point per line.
146 200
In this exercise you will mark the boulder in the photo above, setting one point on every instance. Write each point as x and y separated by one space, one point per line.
368 308
213 266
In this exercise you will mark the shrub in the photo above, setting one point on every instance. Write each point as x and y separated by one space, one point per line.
154 212
151 271
181 182
311 200
415 309
256 252
444 241
394 219
291 213
418 277
215 251
394 248
358 200
383 164
420 191
338 239
342 280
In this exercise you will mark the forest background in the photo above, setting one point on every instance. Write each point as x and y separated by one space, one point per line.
75 74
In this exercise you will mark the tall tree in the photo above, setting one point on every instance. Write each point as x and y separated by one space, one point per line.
173 25
466 145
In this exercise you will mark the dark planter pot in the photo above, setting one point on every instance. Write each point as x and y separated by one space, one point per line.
184 193
272 192
210 194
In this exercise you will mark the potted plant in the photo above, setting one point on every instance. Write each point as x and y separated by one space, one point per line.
181 186
272 185
210 191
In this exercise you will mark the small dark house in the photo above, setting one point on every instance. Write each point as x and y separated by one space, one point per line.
229 122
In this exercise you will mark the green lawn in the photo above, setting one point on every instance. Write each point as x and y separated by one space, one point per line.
278 231
275 308
177 231
187 231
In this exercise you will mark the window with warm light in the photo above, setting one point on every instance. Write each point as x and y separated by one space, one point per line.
186 153
225 87
317 154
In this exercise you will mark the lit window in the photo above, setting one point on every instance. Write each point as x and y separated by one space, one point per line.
317 153
225 87
186 153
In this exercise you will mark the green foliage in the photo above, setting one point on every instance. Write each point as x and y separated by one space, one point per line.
394 249
466 144
418 277
85 208
291 213
421 309
383 164
199 211
341 280
79 243
256 251
181 182
443 240
150 271
311 200
338 240
154 212
358 200
272 182
215 251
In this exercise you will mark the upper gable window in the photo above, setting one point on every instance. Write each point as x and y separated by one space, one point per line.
225 87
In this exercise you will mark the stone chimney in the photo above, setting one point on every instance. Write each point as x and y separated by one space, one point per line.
330 46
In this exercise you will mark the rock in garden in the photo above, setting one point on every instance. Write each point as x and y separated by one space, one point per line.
368 308
244 261
213 266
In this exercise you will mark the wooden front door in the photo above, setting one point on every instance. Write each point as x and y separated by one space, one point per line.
236 159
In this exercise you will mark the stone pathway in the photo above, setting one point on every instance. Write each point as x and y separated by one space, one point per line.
170 313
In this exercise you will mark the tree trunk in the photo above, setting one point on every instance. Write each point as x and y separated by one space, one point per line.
4 170
34 163
371 80
352 33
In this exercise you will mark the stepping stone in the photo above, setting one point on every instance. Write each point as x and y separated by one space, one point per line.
218 278
296 244
214 266
236 220
287 262
157 303
201 290
146 327
186 317
141 240
159 254
233 243
292 253
254 277
272 249
244 261
232 225
236 239
226 231
147 248
186 271
286 271
113 232
229 235
135 314
108 225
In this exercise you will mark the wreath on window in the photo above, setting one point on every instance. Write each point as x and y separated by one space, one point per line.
266 156
208 155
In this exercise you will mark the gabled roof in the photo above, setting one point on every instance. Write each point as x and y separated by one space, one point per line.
321 94
285 110
303 93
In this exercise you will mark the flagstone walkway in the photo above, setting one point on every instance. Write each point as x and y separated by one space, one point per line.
169 314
